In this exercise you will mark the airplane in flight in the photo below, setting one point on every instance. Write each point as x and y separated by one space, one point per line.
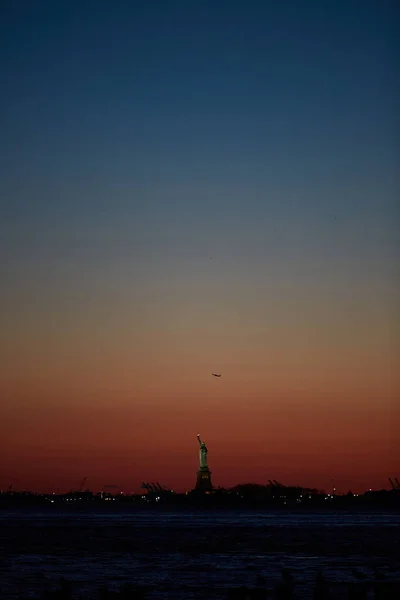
216 374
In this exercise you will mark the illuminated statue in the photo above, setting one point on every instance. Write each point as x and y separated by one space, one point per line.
203 453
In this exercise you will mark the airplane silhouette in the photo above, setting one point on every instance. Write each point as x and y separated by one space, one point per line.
216 374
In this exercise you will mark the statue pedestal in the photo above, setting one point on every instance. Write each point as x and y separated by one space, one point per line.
203 483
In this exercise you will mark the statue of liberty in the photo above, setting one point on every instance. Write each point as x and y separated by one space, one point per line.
203 453
203 483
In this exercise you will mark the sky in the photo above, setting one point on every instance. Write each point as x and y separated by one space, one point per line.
197 187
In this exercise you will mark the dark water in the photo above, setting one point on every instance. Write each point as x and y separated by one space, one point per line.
190 555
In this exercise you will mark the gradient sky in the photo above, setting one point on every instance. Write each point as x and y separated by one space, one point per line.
139 139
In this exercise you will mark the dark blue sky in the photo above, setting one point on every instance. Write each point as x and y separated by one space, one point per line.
141 128
197 91
255 113
251 112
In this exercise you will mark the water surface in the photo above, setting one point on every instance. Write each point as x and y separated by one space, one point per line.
190 554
